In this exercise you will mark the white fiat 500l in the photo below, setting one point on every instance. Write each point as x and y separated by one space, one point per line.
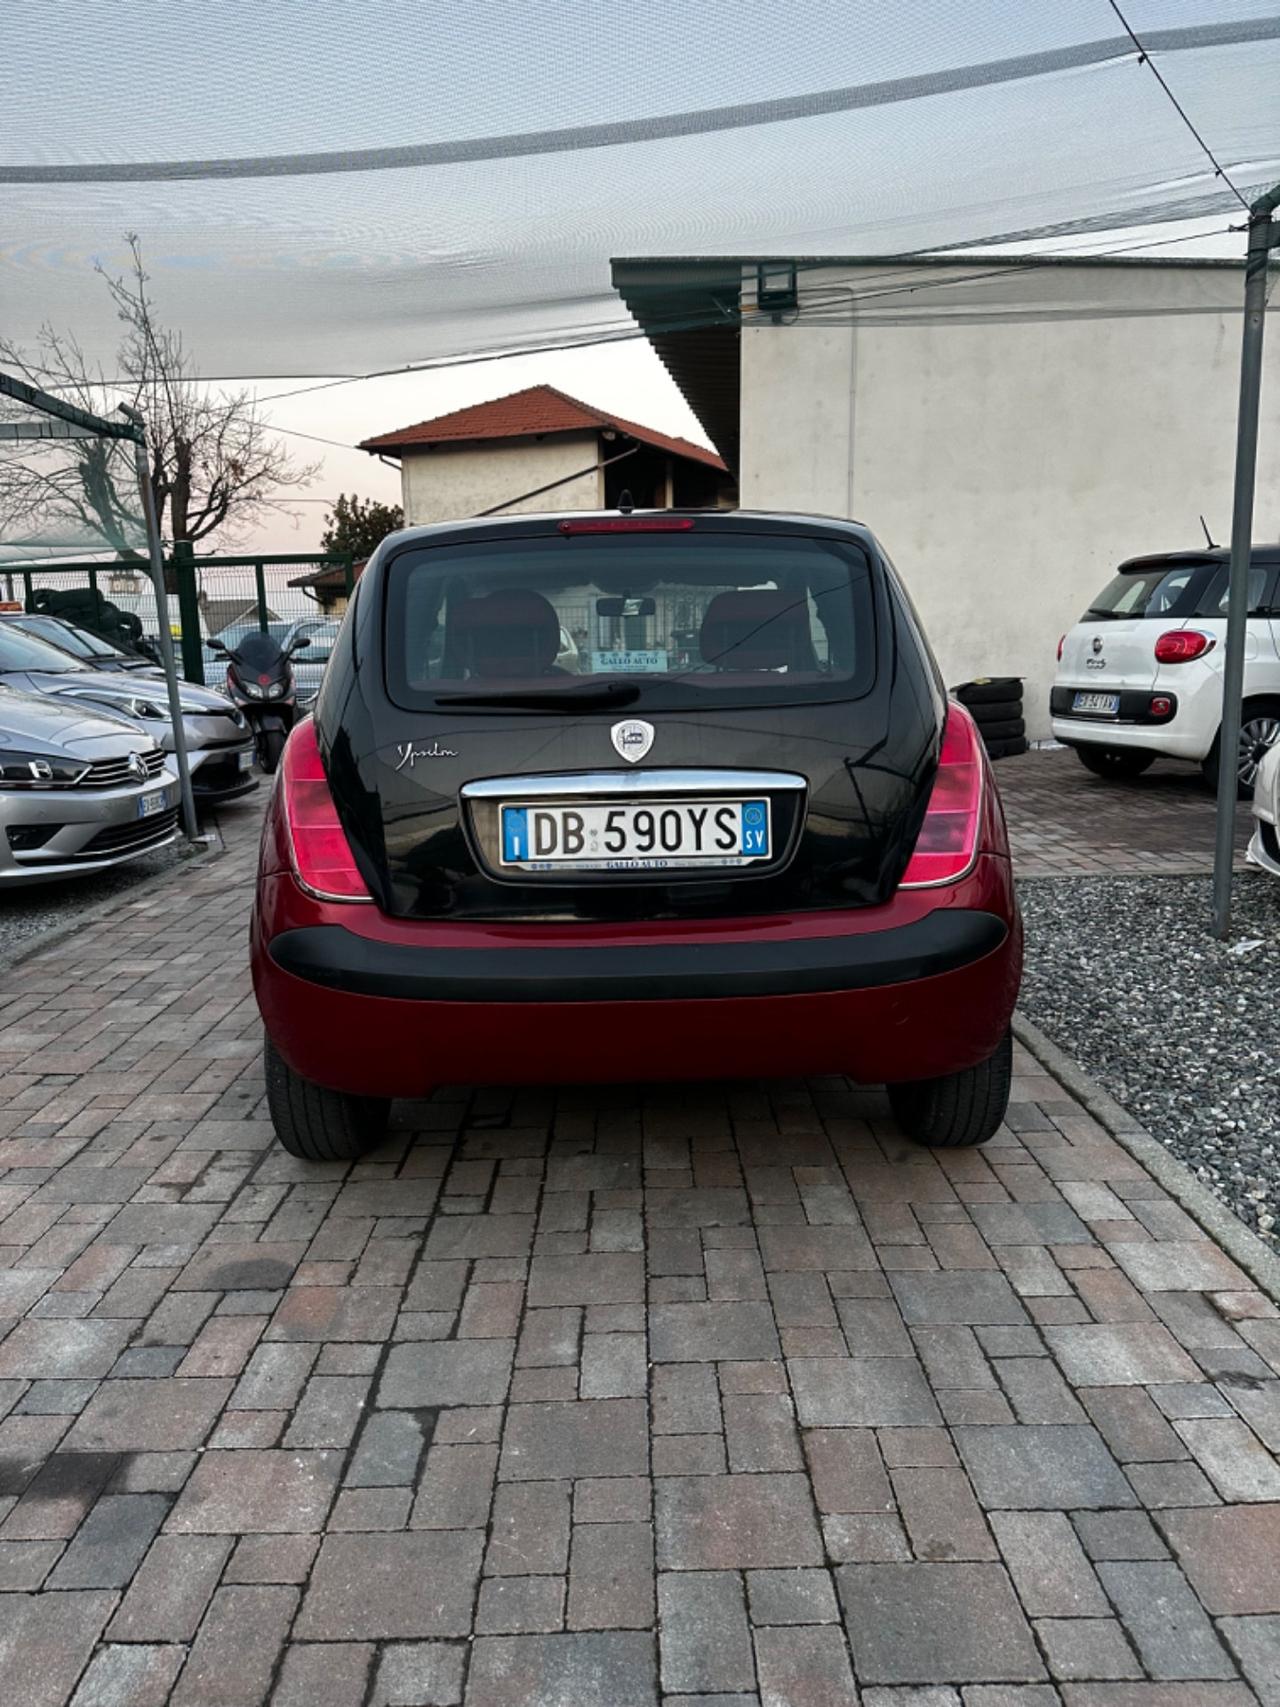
1140 675
1264 849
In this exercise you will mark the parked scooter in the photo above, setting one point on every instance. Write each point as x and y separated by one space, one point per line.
260 682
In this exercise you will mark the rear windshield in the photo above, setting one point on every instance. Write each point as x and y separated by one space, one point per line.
685 619
1173 590
1164 590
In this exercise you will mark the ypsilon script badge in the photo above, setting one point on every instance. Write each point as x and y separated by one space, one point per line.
633 739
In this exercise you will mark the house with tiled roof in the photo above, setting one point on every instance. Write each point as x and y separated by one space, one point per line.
540 449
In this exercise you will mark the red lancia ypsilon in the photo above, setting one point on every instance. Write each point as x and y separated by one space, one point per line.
633 796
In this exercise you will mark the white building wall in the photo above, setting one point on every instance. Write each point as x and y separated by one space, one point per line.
1008 467
453 482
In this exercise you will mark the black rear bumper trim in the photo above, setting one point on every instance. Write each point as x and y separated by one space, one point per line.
1135 706
943 941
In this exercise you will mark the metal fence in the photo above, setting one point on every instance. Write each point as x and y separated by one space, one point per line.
212 598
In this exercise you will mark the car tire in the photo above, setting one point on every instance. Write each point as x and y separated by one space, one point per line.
270 748
960 1109
1006 749
316 1124
995 711
1261 714
992 690
1009 730
1115 763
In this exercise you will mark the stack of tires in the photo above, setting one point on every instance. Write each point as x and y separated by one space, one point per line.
995 703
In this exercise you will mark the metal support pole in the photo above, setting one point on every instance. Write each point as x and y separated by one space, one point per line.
156 550
1262 238
184 572
260 592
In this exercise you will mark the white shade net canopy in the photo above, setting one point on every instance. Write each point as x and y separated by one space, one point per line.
323 187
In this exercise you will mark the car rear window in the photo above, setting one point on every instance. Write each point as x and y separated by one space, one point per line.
1163 590
685 618
1213 599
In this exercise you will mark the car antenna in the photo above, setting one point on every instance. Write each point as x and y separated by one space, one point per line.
1208 537
626 503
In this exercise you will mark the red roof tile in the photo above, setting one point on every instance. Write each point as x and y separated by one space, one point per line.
538 410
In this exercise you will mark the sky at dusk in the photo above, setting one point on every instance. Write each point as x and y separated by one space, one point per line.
626 379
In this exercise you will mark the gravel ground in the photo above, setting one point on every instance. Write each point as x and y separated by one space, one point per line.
1182 1030
26 914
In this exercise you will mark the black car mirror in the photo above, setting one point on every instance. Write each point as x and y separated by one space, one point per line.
297 645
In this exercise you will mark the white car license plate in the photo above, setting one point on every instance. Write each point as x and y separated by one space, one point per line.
150 804
245 759
654 835
1097 704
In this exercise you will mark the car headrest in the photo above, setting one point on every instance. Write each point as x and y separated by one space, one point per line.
513 632
760 628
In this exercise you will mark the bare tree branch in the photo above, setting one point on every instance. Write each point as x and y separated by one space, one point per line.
215 464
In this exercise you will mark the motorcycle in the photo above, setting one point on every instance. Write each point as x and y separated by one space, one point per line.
260 682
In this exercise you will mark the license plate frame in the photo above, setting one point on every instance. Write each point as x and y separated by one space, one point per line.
1087 702
647 827
152 805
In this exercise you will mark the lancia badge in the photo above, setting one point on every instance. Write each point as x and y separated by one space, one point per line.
632 739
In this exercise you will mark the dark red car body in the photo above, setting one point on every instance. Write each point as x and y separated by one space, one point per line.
372 996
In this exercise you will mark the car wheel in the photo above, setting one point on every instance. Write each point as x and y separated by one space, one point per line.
271 746
1115 763
316 1124
959 1109
1259 729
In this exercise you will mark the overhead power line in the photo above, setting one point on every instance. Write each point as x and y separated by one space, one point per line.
1144 58
829 294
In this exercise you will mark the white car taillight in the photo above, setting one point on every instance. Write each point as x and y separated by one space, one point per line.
1181 645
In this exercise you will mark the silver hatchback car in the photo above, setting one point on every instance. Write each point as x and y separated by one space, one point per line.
219 742
80 790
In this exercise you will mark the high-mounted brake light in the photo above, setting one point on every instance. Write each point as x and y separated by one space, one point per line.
1181 645
321 855
948 841
629 524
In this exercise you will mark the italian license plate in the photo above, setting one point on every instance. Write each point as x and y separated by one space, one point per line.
245 759
150 804
1097 704
656 835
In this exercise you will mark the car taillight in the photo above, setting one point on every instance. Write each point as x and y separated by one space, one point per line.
1062 641
948 839
322 858
1180 645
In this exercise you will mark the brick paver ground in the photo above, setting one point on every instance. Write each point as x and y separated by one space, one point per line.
1063 822
595 1398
